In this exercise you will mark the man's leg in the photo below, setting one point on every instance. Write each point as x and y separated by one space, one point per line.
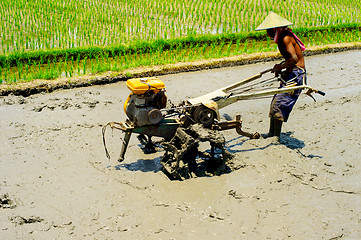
277 127
271 131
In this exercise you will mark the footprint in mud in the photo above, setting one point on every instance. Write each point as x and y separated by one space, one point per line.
12 99
91 104
83 93
6 202
66 104
19 220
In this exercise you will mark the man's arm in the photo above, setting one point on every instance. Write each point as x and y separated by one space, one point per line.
292 60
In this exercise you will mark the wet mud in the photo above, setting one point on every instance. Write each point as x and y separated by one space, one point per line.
183 159
54 172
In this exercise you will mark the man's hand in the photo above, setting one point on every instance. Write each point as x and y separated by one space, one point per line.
277 69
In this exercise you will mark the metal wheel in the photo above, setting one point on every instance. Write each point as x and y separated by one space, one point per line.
204 115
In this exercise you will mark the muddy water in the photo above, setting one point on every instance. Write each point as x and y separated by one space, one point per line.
54 171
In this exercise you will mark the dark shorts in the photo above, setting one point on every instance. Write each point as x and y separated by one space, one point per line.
282 104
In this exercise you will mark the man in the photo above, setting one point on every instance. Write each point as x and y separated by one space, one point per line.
294 73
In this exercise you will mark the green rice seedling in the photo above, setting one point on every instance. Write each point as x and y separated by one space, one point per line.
18 68
99 63
204 48
65 67
5 76
7 72
245 46
28 66
92 65
254 47
72 62
78 64
48 65
84 65
238 43
182 57
268 43
228 52
191 48
197 50
221 48
40 63
213 47
135 55
125 58
60 66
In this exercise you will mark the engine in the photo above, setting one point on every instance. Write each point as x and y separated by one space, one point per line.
145 101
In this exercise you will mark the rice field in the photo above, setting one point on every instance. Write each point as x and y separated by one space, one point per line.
49 39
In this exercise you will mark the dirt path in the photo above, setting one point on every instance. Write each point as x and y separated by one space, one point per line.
55 181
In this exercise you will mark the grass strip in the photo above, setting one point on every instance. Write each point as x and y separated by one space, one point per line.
37 86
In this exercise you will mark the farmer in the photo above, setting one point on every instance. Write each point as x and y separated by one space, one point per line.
294 73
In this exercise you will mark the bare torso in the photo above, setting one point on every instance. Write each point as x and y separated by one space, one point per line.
292 52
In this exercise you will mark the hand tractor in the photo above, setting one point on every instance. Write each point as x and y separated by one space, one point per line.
148 115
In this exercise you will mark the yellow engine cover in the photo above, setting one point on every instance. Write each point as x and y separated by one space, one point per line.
143 85
126 103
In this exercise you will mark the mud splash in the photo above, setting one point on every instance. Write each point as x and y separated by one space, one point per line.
183 160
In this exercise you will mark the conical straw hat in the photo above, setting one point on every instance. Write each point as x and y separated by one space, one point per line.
272 21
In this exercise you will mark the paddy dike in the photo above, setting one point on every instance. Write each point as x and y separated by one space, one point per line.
56 182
